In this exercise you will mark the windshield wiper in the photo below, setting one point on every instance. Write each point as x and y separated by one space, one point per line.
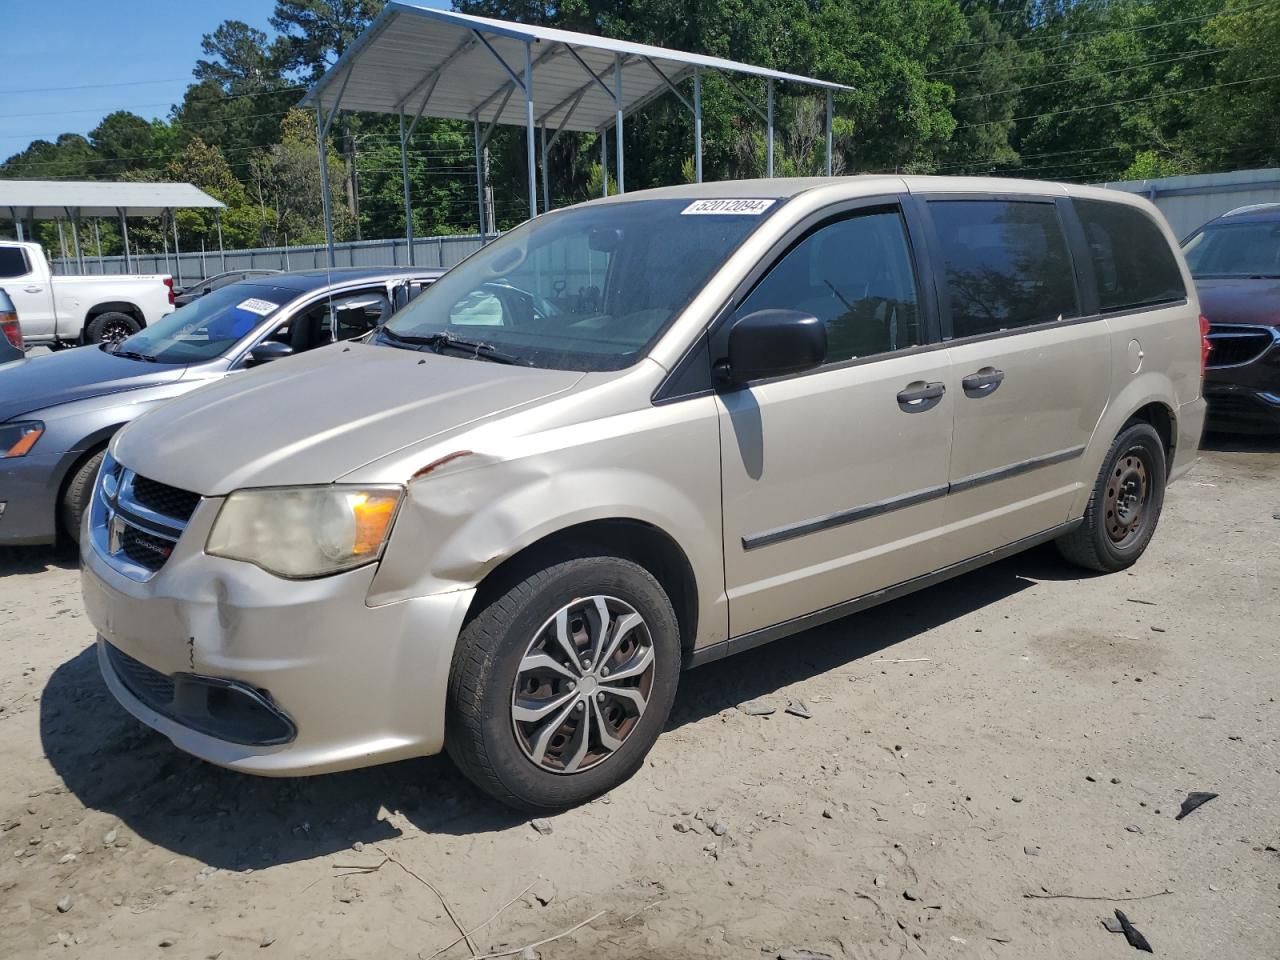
444 340
134 355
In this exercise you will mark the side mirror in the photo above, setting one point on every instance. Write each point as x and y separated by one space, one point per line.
267 351
773 343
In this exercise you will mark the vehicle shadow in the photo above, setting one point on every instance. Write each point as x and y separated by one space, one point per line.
24 561
114 764
1218 442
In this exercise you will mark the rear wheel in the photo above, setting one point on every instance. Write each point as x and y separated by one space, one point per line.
1125 505
561 684
110 327
75 498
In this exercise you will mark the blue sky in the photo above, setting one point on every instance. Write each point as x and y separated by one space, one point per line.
135 55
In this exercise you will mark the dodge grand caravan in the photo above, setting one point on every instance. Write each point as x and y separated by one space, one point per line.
629 437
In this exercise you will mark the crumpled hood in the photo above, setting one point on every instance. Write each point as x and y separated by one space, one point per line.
1241 300
318 416
34 383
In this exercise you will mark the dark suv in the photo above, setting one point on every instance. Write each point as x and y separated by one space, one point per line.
1235 260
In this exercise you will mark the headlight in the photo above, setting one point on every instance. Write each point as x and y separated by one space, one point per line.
301 532
17 438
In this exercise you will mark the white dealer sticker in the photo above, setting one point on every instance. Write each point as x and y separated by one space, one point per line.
746 208
254 305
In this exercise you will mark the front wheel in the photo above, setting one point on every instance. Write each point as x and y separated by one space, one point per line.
1125 505
562 681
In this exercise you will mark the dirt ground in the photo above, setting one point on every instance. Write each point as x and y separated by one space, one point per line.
975 753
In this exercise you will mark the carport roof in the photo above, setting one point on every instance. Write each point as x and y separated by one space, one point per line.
51 199
419 60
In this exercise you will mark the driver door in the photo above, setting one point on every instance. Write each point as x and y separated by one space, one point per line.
834 479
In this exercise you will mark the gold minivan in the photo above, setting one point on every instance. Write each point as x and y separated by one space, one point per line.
631 437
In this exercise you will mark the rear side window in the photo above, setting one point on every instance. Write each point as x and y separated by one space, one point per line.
13 262
1005 263
1134 264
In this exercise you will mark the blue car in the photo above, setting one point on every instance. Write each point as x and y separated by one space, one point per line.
58 411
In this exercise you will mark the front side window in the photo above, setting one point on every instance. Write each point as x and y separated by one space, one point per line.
1132 260
1235 250
13 262
587 288
1005 264
854 275
210 326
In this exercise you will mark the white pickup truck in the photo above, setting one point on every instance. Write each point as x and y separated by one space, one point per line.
61 311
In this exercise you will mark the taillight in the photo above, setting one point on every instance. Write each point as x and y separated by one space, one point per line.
168 282
1206 345
12 330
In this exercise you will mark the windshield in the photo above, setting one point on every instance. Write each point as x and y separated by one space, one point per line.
1235 250
208 327
589 288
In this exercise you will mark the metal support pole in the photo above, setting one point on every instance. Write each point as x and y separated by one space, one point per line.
604 163
769 84
62 239
75 239
479 178
697 125
222 252
164 236
97 242
177 254
546 177
124 236
408 205
528 121
325 201
18 224
617 104
829 114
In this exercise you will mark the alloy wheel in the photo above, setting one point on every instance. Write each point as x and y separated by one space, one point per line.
583 684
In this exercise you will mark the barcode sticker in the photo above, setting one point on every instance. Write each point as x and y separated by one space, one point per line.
741 208
254 305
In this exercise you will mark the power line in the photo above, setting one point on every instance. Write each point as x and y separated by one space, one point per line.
1116 103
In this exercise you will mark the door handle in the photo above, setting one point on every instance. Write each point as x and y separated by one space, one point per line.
983 383
33 289
919 395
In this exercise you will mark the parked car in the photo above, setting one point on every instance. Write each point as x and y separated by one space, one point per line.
504 523
12 346
1235 260
198 289
62 311
74 401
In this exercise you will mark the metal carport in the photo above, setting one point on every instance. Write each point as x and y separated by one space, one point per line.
29 200
415 61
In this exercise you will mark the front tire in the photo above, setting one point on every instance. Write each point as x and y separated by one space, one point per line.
1125 505
75 498
562 681
110 327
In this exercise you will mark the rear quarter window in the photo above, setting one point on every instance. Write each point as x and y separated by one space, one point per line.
1132 261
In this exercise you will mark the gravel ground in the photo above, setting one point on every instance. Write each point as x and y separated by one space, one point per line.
990 768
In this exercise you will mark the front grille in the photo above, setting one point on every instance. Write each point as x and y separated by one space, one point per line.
144 549
164 499
1236 345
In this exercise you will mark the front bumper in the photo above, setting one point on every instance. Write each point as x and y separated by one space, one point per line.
1237 407
29 494
358 685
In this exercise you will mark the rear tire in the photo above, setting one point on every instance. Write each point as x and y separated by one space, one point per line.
539 726
1125 505
110 327
75 498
